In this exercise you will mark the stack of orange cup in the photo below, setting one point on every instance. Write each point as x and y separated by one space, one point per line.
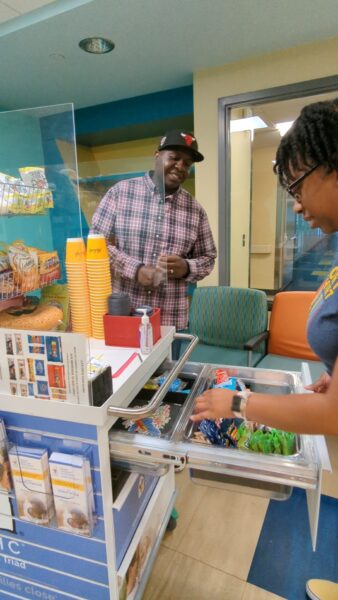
78 286
99 281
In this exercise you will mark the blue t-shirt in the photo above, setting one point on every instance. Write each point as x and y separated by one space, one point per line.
322 325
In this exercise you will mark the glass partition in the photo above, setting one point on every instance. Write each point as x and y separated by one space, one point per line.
39 212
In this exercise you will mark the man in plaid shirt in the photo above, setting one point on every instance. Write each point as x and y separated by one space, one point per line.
159 237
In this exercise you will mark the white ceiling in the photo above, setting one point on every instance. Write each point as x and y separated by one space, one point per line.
159 43
14 8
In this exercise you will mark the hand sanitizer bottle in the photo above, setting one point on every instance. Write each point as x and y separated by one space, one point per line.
146 334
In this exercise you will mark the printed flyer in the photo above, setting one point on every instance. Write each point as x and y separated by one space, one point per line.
44 365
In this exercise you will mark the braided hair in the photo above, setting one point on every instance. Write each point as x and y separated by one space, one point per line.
312 140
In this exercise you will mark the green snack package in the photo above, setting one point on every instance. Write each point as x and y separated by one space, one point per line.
291 442
266 443
254 441
242 436
241 432
244 441
288 442
260 441
277 445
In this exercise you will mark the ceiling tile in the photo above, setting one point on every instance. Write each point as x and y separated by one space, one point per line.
25 6
7 13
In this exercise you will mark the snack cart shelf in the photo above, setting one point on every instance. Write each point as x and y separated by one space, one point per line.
48 560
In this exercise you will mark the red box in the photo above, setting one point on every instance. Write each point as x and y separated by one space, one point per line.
125 331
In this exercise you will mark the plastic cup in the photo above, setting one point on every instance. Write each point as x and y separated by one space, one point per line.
96 247
75 250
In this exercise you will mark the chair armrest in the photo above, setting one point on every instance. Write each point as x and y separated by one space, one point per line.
255 340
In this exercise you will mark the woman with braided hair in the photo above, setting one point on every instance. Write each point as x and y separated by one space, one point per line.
307 167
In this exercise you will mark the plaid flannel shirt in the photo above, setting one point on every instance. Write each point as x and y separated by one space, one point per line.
139 225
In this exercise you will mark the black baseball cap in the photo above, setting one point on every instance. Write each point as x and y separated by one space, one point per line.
181 140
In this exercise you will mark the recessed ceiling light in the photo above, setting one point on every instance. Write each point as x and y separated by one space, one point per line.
96 45
246 124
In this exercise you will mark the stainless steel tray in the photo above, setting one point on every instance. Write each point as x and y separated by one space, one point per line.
180 402
260 381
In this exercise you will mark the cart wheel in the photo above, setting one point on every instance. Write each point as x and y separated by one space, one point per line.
172 524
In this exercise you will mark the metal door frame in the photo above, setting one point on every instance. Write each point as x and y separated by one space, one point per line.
225 104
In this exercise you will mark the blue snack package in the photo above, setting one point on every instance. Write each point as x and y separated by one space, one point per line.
229 384
176 386
221 432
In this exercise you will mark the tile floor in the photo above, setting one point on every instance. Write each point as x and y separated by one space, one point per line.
208 555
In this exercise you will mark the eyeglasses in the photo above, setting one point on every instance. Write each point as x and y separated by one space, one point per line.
291 189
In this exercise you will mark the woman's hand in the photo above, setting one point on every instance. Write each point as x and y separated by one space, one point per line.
321 385
213 404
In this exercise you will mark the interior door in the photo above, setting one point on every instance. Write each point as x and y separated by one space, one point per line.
240 208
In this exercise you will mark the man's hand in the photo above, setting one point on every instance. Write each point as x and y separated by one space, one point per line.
176 266
145 276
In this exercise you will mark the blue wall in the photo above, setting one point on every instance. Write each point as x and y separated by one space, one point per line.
159 106
135 118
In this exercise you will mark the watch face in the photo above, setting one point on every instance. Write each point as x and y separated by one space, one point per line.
236 404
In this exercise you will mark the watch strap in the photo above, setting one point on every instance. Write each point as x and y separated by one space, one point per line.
239 403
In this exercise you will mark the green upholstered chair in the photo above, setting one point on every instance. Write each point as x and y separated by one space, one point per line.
230 323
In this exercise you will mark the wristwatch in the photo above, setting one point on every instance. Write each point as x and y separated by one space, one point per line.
239 403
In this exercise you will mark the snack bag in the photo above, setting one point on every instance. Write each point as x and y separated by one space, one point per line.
287 442
8 287
277 445
221 375
228 384
10 188
57 295
40 196
24 262
34 177
47 197
4 260
49 267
